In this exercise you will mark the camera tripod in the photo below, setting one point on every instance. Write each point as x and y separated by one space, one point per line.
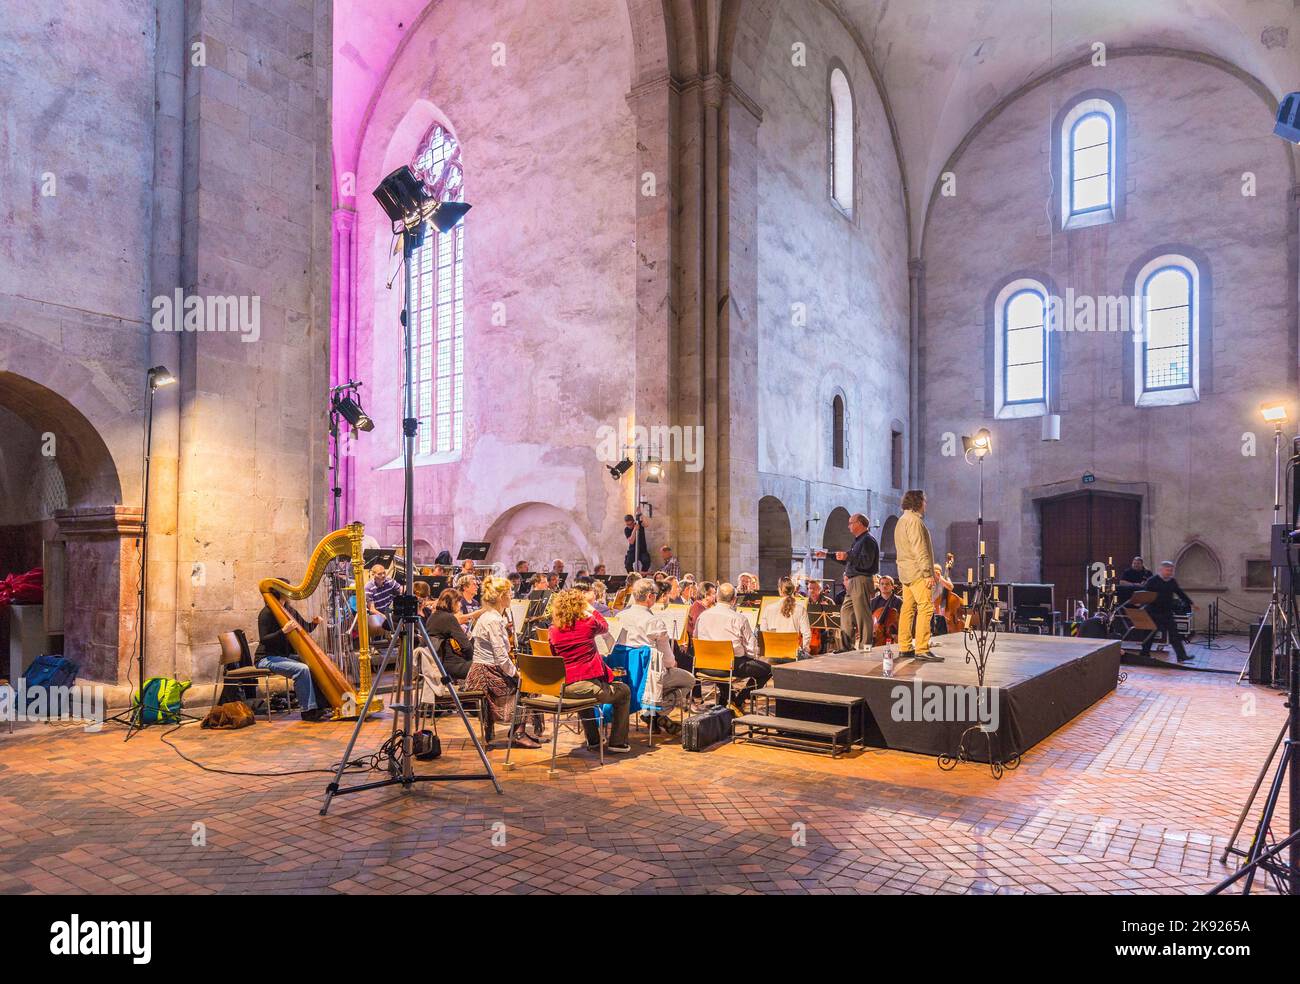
409 632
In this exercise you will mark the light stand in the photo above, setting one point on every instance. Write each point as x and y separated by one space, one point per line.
408 205
157 377
1275 615
345 407
982 618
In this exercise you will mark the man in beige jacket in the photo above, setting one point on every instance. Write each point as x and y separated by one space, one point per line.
916 574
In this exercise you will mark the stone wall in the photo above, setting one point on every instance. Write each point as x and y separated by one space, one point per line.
832 288
1194 130
550 250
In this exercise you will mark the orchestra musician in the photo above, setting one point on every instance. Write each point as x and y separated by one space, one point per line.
861 564
941 596
455 648
791 615
276 653
885 608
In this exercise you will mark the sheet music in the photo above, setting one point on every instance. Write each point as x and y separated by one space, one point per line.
751 616
606 641
519 612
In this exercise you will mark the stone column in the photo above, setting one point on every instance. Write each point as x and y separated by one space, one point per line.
100 603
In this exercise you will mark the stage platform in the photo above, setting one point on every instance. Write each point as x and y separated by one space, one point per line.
1034 684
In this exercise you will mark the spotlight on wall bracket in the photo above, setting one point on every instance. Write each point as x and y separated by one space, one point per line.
616 472
654 471
408 204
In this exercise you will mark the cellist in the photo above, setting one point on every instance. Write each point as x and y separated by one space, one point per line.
885 607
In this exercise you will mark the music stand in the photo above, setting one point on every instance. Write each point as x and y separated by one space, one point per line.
474 550
384 555
1134 612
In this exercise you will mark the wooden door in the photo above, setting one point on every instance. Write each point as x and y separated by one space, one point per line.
1081 529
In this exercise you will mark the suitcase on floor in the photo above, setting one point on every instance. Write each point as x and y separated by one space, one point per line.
707 728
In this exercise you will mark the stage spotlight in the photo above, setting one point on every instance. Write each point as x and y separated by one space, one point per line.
351 411
407 202
654 471
618 471
160 376
1273 412
1288 118
981 444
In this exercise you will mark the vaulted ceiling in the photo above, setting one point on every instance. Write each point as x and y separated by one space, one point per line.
944 63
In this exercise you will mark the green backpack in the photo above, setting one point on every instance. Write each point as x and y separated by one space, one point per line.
159 701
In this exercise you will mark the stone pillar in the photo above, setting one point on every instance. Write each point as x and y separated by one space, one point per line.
103 570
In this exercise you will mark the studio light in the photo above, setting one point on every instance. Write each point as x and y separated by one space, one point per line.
408 204
160 376
981 444
616 472
654 471
352 412
1273 412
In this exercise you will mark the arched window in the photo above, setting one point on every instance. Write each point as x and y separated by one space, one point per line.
1088 163
841 141
837 431
1022 349
435 284
1166 357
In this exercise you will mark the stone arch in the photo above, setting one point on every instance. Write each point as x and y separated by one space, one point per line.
539 533
775 542
888 552
1198 567
96 537
835 536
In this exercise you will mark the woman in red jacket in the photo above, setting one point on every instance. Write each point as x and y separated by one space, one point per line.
574 627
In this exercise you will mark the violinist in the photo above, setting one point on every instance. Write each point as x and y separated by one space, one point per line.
885 607
455 648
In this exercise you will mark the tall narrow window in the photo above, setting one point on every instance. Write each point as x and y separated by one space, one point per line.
837 431
896 455
1166 363
1086 145
841 141
1024 348
435 283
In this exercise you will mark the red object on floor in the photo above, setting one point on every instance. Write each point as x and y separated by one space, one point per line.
23 589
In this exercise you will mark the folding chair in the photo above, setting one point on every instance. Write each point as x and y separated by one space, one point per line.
715 663
232 655
541 690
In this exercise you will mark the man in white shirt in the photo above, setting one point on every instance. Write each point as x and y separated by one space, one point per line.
723 623
667 684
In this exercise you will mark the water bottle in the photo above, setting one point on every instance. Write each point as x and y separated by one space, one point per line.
887 662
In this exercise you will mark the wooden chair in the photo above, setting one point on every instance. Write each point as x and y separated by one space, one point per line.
715 663
541 647
541 690
543 634
233 653
780 647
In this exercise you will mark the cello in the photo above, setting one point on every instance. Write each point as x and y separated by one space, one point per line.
950 606
884 622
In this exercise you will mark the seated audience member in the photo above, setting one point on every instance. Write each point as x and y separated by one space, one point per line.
574 627
667 685
790 615
455 648
276 653
492 670
722 623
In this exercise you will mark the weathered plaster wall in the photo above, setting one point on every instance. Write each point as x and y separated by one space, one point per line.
550 168
847 273
1193 130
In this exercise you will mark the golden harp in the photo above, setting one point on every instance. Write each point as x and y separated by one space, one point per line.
333 687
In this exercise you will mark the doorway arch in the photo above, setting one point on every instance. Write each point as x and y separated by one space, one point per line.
775 542
835 537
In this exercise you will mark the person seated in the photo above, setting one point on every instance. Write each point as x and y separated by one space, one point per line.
723 623
667 685
423 598
882 604
492 669
791 615
380 592
467 587
454 647
574 627
597 598
275 652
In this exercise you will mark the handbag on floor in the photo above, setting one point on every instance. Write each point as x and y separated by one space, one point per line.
707 728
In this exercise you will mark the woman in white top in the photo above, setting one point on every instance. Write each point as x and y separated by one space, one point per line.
790 615
493 671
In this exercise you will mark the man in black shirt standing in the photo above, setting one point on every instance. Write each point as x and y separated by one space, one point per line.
1162 609
861 564
1132 579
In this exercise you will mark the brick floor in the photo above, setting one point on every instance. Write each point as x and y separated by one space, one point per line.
1136 795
